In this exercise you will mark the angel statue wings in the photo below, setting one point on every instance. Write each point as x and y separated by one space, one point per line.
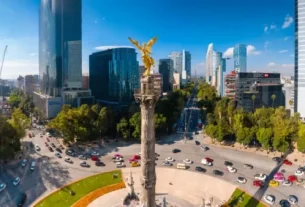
145 49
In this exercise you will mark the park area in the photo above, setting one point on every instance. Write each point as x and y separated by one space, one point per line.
242 199
70 194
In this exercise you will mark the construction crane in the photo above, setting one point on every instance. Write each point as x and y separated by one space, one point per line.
1 86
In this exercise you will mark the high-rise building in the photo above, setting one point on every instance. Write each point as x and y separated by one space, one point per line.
240 58
86 80
209 63
30 84
186 65
141 70
114 74
177 81
230 84
177 61
166 70
20 82
299 59
60 45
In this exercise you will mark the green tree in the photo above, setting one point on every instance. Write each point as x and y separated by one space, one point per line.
135 123
264 136
123 128
244 135
15 98
160 123
212 131
301 138
273 97
27 105
19 122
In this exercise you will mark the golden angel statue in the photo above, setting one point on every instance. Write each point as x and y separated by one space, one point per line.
146 51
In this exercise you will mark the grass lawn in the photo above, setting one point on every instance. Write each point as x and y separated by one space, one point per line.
81 188
241 199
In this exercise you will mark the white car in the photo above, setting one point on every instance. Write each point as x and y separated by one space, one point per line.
231 169
293 199
242 180
118 159
83 164
299 173
16 181
170 159
2 187
205 162
23 164
139 153
287 183
187 161
82 157
94 153
57 154
37 148
120 164
269 199
166 163
261 177
68 159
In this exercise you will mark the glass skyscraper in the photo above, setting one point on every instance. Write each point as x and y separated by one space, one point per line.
299 58
114 74
167 72
60 46
240 58
209 63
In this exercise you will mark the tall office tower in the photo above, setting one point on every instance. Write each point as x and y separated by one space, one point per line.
240 58
209 63
30 84
20 82
60 46
299 58
177 61
85 81
167 72
114 74
186 65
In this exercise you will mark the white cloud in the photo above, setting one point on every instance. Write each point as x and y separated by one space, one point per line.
272 26
33 54
283 51
271 64
110 47
251 50
266 29
288 21
13 68
228 53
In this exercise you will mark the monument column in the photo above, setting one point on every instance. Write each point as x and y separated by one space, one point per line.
147 97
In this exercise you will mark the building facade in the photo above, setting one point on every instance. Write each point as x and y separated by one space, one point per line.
114 74
299 58
288 90
177 81
60 46
177 61
85 81
240 58
167 72
20 82
186 65
230 84
30 84
254 90
141 70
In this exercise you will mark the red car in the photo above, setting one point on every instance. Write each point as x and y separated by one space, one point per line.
258 183
118 155
209 159
287 162
292 178
137 157
94 158
133 160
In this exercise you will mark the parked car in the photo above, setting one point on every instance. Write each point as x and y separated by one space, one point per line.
16 181
293 199
57 154
284 203
170 159
82 157
48 139
260 177
273 183
99 163
94 158
176 150
287 162
217 172
120 164
206 162
299 173
2 187
287 183
241 180
269 199
227 163
231 169
84 164
292 178
23 164
68 159
200 169
187 161
167 163
258 183
21 199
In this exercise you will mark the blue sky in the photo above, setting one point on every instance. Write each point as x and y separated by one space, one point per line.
267 26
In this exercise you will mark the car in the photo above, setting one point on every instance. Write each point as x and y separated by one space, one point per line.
301 169
37 148
132 160
94 153
135 164
209 159
292 178
58 150
46 144
278 174
279 178
276 159
84 164
217 172
57 154
170 159
187 161
61 147
300 181
48 139
241 180
167 163
299 173
287 183
120 164
67 159
117 155
287 162
197 142
51 149
200 169
248 166
94 158
292 199
99 163
21 200
260 177
16 181
23 163
258 183
118 159
2 187
138 157
70 153
231 169
273 183
204 148
53 145
82 157
176 150
227 163
284 203
205 162
269 199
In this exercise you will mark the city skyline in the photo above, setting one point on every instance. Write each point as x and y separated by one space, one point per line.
269 37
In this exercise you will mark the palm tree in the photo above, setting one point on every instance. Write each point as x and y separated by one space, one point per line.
253 100
273 97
